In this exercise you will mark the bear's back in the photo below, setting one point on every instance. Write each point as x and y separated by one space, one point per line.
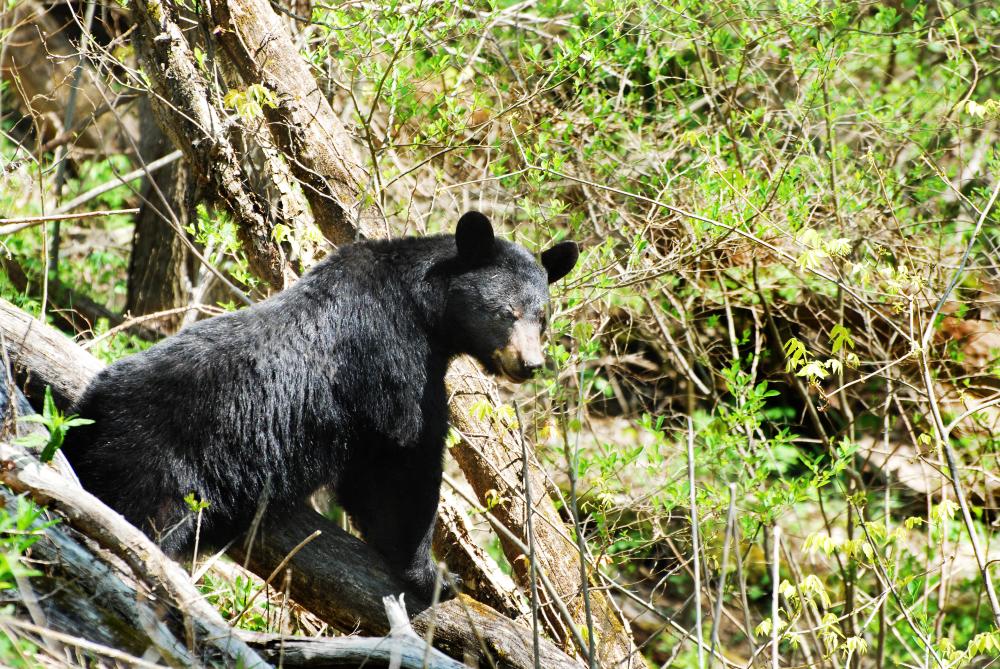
269 396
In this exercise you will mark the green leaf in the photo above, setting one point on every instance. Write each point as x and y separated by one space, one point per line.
55 423
839 336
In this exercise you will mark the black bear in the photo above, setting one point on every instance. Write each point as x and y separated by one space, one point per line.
338 380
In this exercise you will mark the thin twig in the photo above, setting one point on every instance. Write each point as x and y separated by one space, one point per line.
138 320
775 576
932 322
61 152
532 565
720 591
956 484
118 181
275 572
965 414
695 548
89 646
572 462
12 225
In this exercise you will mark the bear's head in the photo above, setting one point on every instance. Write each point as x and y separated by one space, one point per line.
498 297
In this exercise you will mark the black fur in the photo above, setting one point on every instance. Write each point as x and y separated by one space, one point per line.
338 380
559 260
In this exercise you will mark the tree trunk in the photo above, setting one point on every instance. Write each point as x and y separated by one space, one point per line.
490 455
186 112
159 265
316 145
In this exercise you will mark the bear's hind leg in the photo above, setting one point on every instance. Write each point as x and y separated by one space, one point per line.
395 507
172 527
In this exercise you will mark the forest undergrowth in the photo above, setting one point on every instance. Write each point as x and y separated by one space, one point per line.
790 270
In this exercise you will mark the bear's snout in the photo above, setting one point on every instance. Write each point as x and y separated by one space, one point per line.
522 356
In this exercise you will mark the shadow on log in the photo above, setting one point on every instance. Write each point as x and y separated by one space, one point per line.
340 579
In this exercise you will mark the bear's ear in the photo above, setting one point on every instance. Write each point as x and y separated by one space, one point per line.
474 238
559 260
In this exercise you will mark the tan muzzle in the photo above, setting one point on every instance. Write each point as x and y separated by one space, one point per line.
522 355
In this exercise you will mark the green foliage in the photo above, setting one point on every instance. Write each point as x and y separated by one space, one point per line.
20 528
217 233
769 197
232 596
250 103
55 423
194 504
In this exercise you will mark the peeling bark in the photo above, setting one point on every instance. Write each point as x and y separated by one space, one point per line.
315 142
490 456
182 105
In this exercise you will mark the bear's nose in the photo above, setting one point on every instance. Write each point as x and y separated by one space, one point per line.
532 365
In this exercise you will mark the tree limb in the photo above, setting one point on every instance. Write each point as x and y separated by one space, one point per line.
24 474
402 646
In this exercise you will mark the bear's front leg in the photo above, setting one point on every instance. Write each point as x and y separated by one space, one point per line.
394 505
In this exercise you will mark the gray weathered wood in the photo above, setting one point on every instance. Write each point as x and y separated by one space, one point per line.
43 356
22 473
402 647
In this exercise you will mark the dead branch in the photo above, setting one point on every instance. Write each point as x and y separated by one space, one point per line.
9 226
22 473
342 580
401 648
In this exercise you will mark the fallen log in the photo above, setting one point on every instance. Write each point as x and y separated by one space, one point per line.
45 356
22 473
70 576
401 648
88 603
342 581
